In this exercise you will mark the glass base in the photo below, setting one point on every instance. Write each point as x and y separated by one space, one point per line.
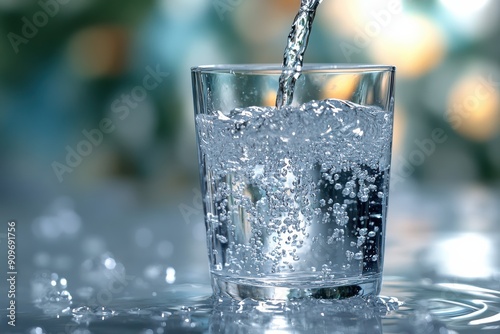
366 286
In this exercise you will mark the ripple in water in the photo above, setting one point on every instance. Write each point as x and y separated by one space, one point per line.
441 308
448 307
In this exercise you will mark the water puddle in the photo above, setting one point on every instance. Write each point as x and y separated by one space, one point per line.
423 307
444 307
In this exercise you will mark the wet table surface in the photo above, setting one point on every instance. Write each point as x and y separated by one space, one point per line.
83 267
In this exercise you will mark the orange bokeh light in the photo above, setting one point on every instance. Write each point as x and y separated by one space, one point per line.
414 44
269 99
340 87
99 51
473 108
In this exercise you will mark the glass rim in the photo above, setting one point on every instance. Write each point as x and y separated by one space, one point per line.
278 68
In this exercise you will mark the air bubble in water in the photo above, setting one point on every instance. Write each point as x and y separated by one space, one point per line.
270 194
361 240
221 238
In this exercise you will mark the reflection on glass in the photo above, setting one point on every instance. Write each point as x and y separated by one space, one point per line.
307 316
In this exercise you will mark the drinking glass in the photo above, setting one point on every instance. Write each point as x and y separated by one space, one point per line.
295 199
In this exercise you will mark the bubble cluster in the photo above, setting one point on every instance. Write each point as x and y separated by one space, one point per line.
295 189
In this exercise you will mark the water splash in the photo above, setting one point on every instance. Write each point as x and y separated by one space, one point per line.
49 293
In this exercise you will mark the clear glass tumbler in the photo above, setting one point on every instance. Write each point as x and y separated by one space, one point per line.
295 199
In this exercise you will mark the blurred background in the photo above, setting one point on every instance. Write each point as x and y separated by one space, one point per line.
98 159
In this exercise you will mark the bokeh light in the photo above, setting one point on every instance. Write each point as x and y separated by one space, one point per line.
399 130
110 263
340 87
170 275
474 108
453 259
269 99
342 17
99 51
471 19
183 10
464 8
356 17
262 24
414 44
